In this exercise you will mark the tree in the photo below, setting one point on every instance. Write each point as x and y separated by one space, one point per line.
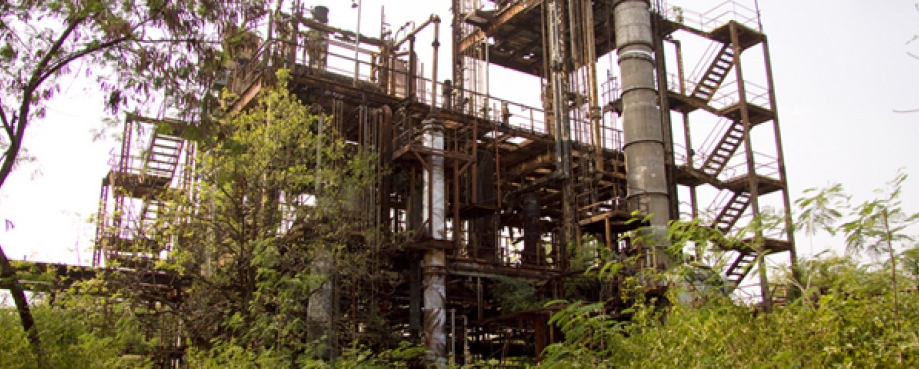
268 230
135 48
875 227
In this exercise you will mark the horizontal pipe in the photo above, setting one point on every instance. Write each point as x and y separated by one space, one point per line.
432 19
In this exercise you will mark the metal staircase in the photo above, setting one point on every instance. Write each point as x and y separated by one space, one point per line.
732 211
162 158
715 74
140 181
151 210
724 149
740 266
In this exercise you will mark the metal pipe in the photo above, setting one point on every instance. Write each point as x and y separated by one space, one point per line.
487 80
453 335
434 263
357 43
411 79
433 19
591 61
465 341
321 123
436 45
642 131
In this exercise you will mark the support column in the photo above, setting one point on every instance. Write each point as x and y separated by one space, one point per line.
558 75
641 122
434 263
531 232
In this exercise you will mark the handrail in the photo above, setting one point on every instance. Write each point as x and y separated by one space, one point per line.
765 165
715 17
714 137
705 61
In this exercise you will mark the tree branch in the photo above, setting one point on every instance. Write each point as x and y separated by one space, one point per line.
89 50
7 125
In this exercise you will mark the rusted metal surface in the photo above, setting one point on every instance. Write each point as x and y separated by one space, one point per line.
473 195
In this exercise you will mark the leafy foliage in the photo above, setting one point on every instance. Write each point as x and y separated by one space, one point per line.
266 232
850 314
78 332
137 49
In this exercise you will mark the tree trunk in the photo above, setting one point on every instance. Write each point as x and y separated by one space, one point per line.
22 306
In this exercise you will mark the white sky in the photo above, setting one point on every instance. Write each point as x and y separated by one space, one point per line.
841 68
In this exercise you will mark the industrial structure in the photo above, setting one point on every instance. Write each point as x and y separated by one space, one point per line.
481 189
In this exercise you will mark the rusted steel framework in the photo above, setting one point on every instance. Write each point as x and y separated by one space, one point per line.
478 190
151 170
741 160
152 167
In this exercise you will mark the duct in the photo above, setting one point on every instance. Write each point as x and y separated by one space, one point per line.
642 131
434 262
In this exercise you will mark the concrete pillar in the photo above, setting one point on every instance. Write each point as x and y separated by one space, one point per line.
641 122
434 262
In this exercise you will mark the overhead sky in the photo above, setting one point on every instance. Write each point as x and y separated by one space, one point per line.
841 70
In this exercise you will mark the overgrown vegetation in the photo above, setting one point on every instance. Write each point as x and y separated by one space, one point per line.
265 237
134 50
852 311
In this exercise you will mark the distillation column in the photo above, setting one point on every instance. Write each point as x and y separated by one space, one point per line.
641 123
434 263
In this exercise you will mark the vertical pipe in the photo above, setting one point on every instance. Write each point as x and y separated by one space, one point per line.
641 121
410 79
487 80
321 123
434 263
559 84
591 61
357 43
557 70
436 45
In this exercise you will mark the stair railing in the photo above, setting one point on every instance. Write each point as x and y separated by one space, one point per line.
714 137
714 48
765 165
